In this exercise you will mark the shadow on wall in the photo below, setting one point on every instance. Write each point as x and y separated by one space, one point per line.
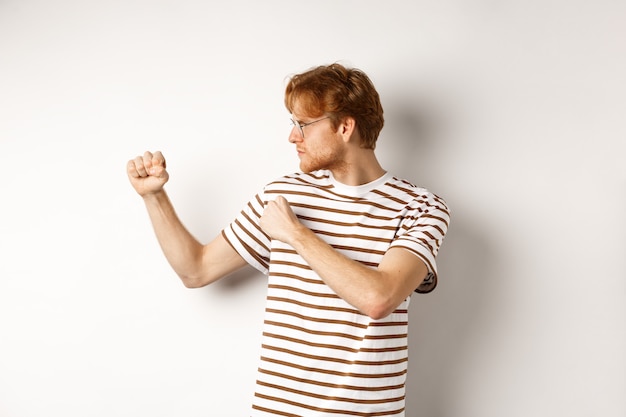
410 140
441 323
245 277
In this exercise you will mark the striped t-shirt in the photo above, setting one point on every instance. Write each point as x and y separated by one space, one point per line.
319 355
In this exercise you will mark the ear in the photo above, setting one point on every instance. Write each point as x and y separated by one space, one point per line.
347 129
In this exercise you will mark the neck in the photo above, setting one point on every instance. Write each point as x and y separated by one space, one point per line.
362 169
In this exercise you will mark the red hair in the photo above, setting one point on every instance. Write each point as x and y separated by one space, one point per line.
338 92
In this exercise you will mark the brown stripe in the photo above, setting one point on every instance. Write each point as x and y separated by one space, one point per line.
329 385
315 332
250 234
367 204
316 319
426 243
329 189
301 291
262 260
441 219
296 277
327 308
329 398
329 411
344 224
315 306
292 264
342 322
274 412
352 236
334 347
389 196
336 360
355 249
333 372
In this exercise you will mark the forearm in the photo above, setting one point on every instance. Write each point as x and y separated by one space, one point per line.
367 289
181 249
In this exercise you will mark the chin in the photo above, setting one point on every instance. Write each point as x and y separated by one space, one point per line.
309 168
331 162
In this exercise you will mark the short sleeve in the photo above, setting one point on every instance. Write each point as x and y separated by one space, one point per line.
422 232
245 235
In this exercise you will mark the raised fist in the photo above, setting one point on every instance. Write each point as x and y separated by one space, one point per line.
147 173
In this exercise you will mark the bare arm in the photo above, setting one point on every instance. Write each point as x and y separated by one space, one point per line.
197 265
375 292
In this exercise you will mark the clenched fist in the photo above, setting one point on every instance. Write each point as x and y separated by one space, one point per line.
279 221
147 173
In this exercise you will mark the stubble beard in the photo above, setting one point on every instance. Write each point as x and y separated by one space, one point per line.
332 160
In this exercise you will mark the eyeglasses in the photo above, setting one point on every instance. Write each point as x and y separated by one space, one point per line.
301 126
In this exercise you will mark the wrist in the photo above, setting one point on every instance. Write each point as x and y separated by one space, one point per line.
154 196
300 235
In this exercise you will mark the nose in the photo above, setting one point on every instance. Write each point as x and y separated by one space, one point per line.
294 135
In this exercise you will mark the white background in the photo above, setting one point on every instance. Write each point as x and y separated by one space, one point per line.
513 111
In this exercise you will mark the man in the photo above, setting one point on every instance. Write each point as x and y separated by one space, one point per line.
344 245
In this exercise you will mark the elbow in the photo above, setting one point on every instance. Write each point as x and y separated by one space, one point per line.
192 281
379 309
378 313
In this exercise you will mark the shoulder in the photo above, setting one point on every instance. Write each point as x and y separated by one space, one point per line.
413 195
